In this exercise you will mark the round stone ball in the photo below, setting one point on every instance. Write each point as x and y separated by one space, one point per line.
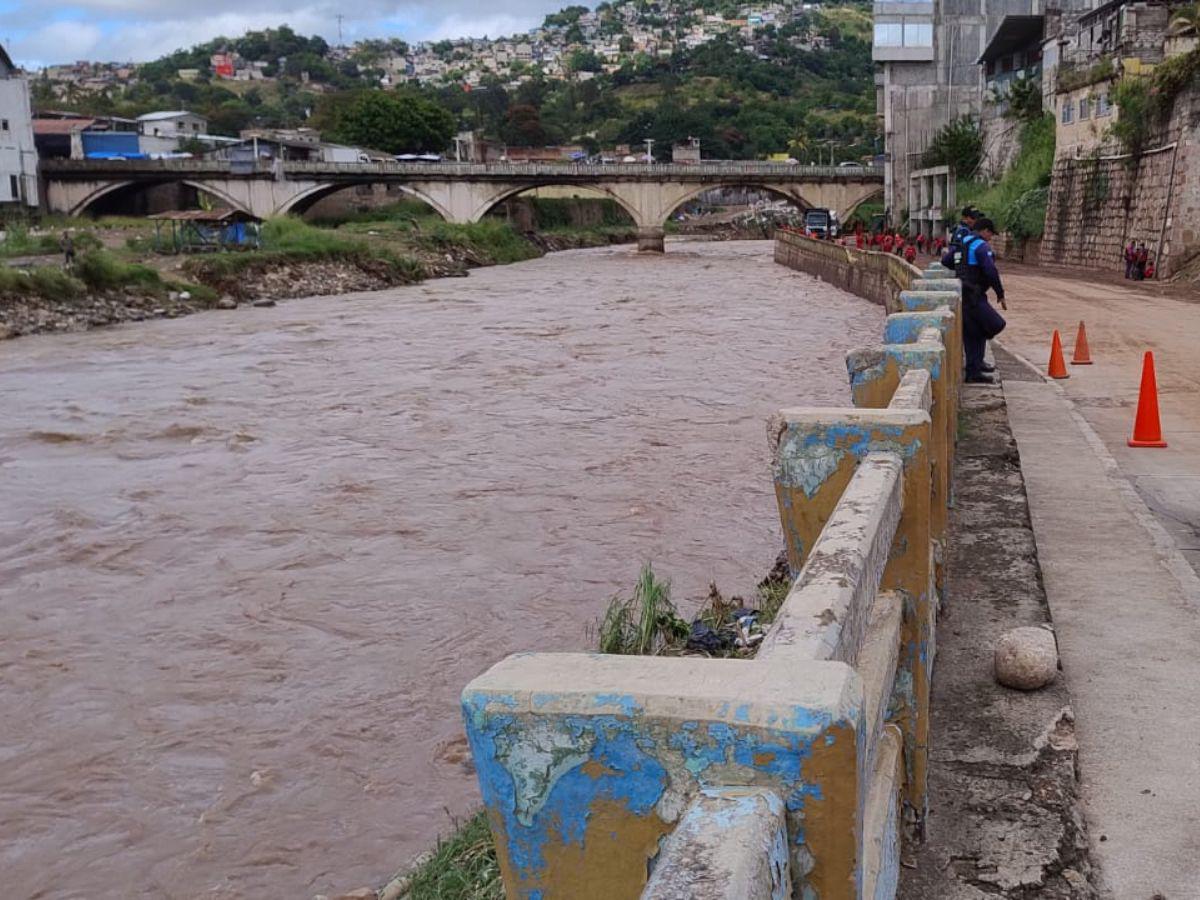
1026 658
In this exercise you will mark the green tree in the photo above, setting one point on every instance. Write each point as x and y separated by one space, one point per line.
394 123
523 127
958 144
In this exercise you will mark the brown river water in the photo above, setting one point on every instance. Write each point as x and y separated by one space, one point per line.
248 560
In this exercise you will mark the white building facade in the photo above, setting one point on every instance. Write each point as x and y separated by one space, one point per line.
18 156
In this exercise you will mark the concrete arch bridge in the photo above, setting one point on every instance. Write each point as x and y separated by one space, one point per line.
459 192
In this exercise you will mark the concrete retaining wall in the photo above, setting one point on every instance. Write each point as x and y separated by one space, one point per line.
792 774
879 277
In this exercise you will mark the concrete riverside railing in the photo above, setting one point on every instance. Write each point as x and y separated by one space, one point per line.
869 273
796 773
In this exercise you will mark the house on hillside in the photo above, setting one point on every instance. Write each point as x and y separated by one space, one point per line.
18 155
176 124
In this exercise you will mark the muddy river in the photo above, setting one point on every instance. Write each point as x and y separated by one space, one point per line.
249 559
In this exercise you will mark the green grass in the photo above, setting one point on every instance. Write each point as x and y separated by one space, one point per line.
103 271
287 240
491 240
1017 202
645 623
49 282
463 867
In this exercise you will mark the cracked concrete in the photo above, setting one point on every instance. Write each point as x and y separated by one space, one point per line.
1004 817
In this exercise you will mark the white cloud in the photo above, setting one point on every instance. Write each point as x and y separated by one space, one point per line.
455 26
58 42
140 30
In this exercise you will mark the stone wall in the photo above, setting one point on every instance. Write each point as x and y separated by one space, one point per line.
1098 204
878 277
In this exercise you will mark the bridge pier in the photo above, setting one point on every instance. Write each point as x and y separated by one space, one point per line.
650 239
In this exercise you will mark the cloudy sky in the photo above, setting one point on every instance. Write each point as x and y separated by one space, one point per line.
41 32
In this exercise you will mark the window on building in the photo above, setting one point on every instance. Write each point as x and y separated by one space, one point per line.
1067 108
3 124
889 34
1102 107
1006 64
1085 108
14 187
918 34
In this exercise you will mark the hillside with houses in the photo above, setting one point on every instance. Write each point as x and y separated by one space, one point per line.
783 79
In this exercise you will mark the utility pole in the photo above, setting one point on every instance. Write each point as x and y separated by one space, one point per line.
341 43
649 150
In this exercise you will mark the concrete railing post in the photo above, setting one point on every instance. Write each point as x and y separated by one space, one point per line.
586 762
816 453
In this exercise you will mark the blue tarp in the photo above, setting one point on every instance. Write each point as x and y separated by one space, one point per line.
111 145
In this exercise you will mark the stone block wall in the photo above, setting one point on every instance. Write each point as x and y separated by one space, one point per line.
1098 204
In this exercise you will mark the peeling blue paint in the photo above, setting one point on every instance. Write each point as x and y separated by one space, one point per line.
542 774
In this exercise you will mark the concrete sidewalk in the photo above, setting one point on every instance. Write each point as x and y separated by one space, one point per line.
1126 608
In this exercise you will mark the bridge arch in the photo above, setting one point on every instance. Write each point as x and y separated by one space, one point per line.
301 201
675 200
108 189
507 192
869 192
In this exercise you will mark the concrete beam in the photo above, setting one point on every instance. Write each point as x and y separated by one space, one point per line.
731 844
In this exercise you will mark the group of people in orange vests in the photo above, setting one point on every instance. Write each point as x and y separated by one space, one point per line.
892 241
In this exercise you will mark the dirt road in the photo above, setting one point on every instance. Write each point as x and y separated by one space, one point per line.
1124 319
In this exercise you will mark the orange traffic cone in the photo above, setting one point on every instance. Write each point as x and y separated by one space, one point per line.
1147 429
1083 356
1058 368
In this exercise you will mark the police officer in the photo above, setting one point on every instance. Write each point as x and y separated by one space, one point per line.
965 226
976 267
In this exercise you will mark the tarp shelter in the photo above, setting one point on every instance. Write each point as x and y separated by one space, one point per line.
198 230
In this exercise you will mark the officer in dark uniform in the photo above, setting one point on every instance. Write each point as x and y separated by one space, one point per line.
976 268
965 226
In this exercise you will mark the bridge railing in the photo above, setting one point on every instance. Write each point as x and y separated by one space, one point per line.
655 171
791 774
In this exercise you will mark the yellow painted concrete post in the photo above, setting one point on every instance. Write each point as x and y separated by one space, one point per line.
816 453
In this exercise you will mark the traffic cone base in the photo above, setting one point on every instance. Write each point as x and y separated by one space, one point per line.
1083 356
1057 368
1147 429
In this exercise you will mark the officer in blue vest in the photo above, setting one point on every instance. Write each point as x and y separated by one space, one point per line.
965 226
977 270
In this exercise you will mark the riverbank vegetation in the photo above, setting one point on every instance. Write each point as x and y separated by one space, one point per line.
1016 202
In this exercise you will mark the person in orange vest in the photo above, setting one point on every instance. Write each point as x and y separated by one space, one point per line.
887 243
910 253
858 239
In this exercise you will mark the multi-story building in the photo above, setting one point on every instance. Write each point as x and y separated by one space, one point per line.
1094 50
18 155
927 75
